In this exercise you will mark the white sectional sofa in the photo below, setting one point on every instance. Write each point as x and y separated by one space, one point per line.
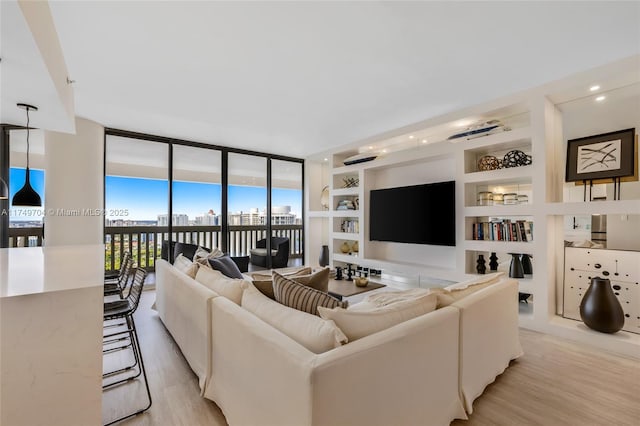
424 371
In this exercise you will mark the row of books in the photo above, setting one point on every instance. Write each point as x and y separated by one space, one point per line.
350 226
503 230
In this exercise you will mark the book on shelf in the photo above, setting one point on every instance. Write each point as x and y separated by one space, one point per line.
503 230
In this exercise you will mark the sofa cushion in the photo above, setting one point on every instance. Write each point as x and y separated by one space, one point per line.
230 288
186 266
314 333
188 250
227 266
318 280
455 292
300 297
360 323
202 256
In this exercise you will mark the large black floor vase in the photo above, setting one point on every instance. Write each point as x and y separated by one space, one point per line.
600 308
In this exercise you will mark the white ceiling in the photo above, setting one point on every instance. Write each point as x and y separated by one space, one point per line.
298 78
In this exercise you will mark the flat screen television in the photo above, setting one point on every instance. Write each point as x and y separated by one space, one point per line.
418 214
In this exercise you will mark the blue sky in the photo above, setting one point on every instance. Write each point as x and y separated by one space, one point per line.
146 198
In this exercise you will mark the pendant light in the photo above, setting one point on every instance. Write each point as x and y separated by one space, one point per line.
27 196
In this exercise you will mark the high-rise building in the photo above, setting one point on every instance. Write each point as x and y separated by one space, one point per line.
177 219
280 215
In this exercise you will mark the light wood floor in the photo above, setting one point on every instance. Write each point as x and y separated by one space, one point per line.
557 382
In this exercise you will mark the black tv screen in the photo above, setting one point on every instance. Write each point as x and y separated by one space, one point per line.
419 214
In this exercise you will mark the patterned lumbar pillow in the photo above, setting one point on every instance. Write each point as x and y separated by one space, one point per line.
301 297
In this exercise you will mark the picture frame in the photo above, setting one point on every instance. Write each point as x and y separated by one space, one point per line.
603 156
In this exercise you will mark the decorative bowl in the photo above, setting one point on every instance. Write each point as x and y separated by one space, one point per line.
361 281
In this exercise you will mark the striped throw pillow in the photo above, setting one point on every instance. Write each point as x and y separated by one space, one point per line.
301 297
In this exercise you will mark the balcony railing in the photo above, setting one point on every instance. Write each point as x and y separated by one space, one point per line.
145 242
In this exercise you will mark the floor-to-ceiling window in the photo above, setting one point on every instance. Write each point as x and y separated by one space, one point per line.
247 202
286 204
136 199
197 195
208 195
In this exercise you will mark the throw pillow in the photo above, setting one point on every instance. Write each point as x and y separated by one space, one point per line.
186 266
230 288
301 297
188 250
356 324
285 272
202 256
312 332
264 282
227 266
318 280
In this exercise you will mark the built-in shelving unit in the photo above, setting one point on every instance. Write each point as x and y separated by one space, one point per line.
539 122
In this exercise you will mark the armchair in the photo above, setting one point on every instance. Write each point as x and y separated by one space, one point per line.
279 252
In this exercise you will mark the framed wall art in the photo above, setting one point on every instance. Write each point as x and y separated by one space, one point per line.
609 155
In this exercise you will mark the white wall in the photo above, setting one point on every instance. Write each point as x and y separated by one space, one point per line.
74 185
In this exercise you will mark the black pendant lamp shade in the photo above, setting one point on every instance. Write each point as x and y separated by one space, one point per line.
27 196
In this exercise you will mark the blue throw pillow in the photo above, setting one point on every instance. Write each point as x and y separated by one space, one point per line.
227 266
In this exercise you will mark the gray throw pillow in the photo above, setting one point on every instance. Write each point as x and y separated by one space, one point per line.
227 266
299 296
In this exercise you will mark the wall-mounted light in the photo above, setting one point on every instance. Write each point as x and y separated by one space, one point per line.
27 196
594 88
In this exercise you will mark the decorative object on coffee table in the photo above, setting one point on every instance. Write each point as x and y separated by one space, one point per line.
600 309
515 270
493 261
324 256
527 268
480 264
361 281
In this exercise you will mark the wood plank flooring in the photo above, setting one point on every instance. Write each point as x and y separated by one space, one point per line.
557 382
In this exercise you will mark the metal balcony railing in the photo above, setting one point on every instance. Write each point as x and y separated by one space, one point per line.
145 242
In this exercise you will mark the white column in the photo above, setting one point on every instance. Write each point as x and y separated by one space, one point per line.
74 185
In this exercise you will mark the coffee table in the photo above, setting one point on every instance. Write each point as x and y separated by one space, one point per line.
345 288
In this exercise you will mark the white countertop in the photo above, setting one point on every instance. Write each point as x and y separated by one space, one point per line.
36 270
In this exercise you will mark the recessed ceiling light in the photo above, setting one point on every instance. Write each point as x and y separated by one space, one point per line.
384 150
326 159
370 147
411 136
463 123
594 88
424 141
601 98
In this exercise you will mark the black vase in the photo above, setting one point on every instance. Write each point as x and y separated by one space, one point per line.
526 264
480 267
600 308
324 256
516 270
493 262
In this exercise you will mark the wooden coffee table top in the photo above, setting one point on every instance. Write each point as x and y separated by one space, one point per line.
344 288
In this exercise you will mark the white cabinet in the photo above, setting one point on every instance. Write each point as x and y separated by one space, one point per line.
621 267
